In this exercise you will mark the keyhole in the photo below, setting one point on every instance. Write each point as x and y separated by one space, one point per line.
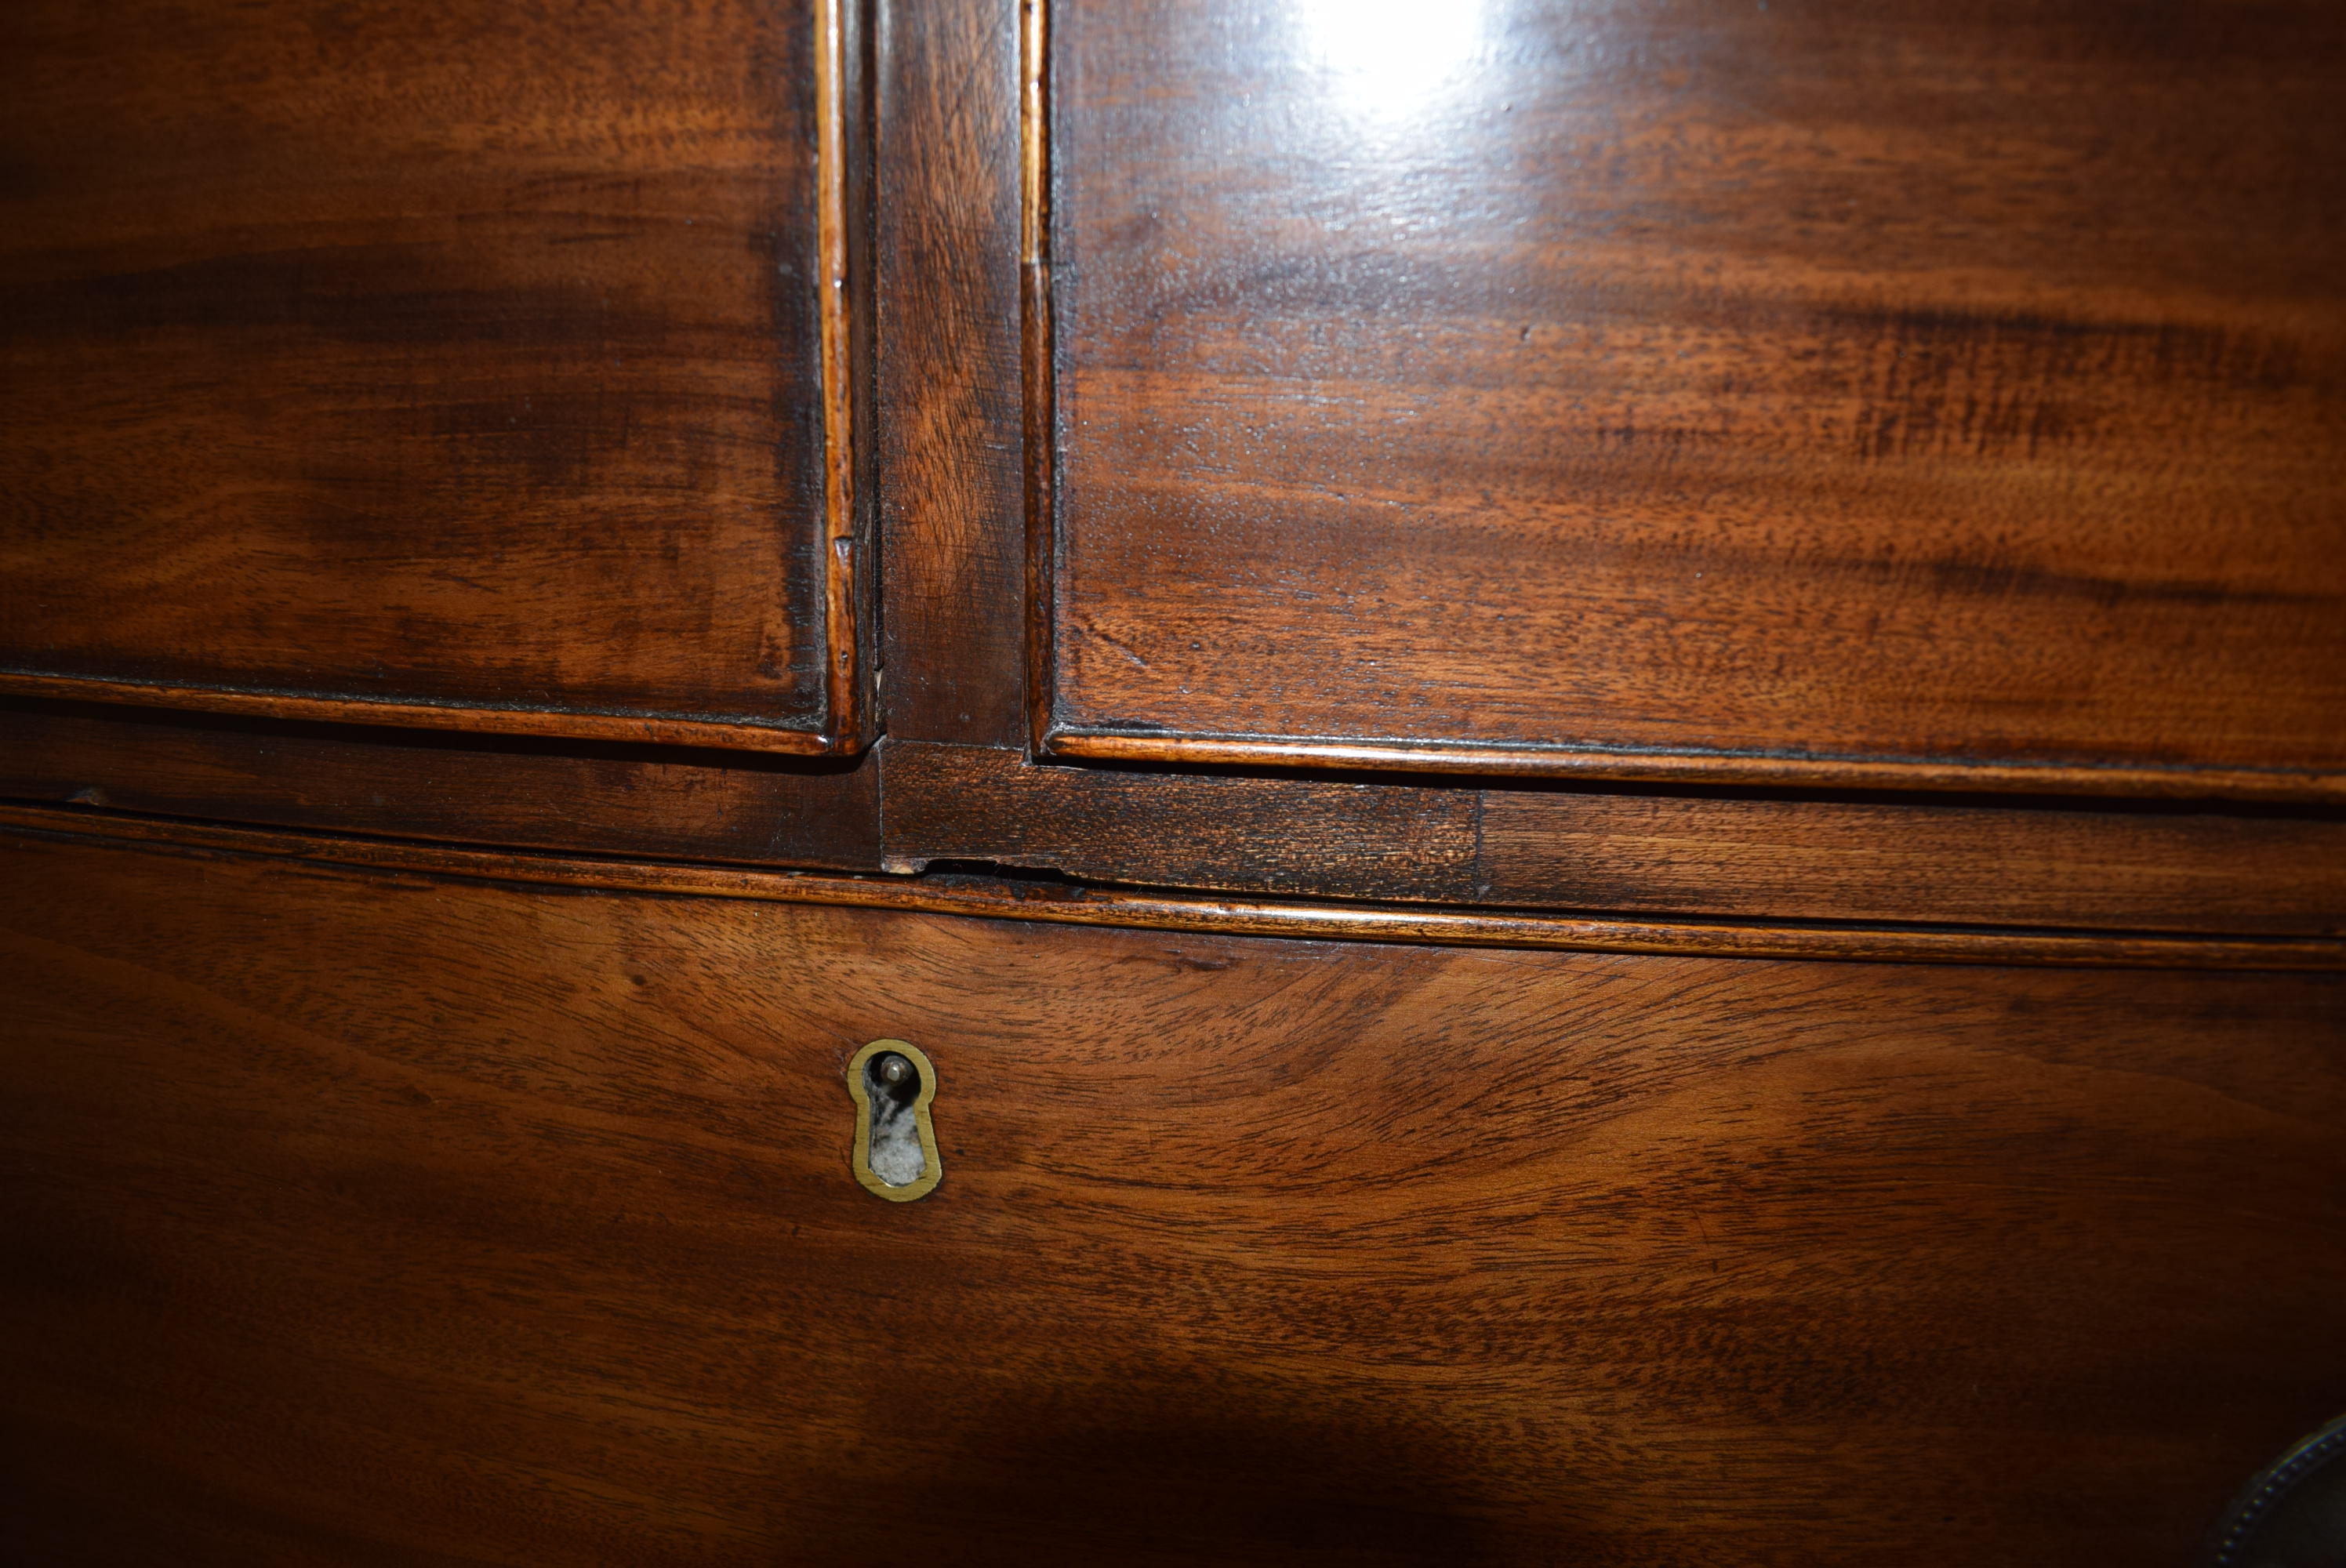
895 1151
894 1147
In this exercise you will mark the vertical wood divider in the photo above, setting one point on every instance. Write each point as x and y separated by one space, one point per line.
835 82
1037 351
950 479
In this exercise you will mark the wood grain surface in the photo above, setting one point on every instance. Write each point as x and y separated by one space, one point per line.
1953 384
356 1217
1905 859
434 1147
969 892
951 461
457 361
667 803
1897 859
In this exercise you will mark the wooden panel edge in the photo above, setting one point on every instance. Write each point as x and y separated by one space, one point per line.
1066 905
433 786
844 542
654 729
1724 767
1037 367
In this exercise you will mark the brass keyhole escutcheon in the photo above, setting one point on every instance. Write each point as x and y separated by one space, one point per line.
895 1151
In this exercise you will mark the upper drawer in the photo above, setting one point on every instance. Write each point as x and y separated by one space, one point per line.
435 363
1941 394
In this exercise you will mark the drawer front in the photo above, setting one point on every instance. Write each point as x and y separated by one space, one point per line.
436 363
410 1218
1929 394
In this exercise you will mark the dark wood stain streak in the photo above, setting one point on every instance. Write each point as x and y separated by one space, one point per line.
553 1241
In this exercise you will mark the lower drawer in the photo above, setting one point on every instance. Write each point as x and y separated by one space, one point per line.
359 1217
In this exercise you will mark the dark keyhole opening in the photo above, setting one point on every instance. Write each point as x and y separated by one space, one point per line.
893 1083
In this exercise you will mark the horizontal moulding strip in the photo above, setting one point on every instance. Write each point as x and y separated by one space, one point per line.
649 729
1725 768
1057 903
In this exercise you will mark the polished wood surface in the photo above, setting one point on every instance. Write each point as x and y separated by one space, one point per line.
846 319
435 364
970 894
361 1217
667 803
1905 859
1912 860
1955 384
1487 649
951 465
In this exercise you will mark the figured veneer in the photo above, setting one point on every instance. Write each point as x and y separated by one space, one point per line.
466 366
1946 396
353 1215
